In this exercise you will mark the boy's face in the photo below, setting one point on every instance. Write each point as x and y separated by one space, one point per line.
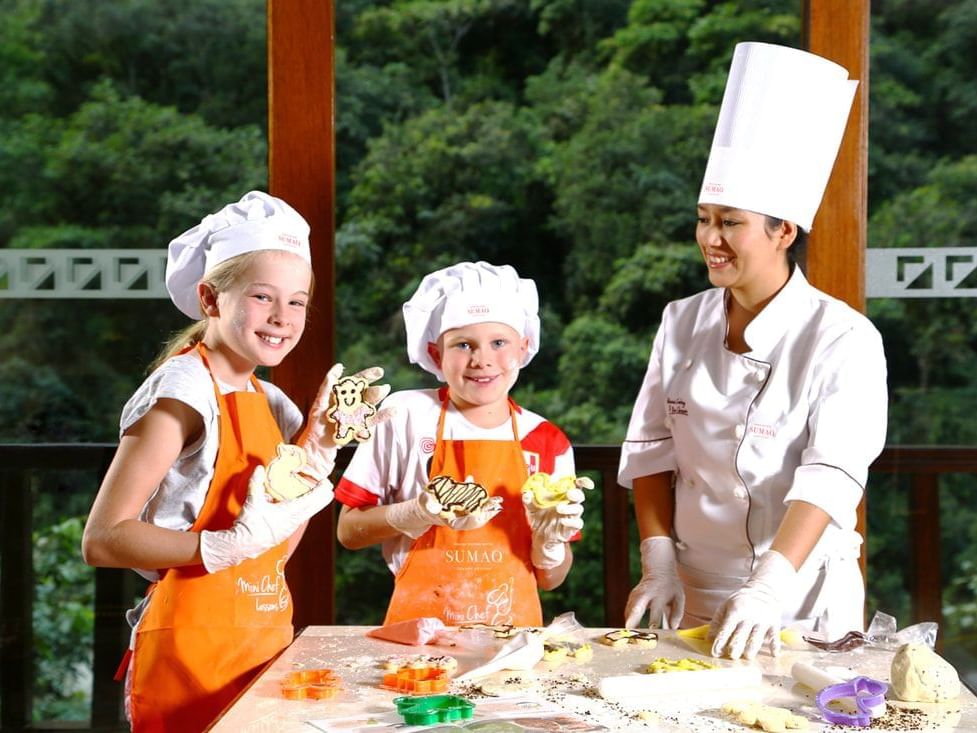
480 363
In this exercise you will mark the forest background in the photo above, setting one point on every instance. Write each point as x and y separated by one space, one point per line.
564 137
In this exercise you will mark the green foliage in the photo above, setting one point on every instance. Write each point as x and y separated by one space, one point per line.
64 619
564 137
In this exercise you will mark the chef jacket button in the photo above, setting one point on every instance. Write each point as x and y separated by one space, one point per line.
669 422
739 431
760 375
690 482
688 364
739 492
681 545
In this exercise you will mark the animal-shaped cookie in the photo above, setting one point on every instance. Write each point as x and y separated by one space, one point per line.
350 410
289 474
458 498
547 492
625 637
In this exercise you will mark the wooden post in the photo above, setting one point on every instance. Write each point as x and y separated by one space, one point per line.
301 164
839 31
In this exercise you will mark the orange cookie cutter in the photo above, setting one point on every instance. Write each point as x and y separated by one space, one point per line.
422 680
311 684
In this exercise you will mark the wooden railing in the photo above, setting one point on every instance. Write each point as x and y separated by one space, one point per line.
115 589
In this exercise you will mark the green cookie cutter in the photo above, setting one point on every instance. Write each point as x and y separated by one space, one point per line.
434 709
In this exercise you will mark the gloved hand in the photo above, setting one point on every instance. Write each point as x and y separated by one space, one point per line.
261 525
416 516
317 438
553 526
659 591
751 616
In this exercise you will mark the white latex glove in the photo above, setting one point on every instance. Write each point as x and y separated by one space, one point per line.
416 516
751 616
553 526
659 591
317 440
261 525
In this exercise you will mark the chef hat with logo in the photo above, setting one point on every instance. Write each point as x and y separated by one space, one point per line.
258 221
465 294
780 125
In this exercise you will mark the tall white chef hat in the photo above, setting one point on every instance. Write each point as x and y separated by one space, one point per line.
468 293
258 221
780 126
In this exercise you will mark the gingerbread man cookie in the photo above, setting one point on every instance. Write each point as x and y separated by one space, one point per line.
350 411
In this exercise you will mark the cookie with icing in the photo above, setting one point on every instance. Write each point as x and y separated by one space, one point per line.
458 498
289 475
630 637
349 410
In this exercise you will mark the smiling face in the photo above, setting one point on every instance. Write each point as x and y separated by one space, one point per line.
260 318
742 254
481 363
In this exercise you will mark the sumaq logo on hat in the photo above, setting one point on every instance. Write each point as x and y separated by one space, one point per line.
478 310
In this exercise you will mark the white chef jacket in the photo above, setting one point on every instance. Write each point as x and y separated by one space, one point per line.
800 416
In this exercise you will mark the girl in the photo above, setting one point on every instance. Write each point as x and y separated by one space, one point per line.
184 497
764 402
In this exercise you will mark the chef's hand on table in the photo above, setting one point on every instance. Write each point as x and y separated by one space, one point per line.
659 591
416 516
318 436
261 525
751 616
554 526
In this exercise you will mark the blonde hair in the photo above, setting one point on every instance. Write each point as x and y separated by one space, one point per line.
221 279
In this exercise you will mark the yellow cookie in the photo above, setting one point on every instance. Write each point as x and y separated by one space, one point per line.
289 475
546 491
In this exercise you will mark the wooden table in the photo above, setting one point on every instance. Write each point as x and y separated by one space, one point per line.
564 697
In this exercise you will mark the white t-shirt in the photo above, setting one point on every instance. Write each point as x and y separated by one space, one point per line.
394 465
180 496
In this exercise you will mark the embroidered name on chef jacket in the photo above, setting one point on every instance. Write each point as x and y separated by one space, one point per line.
762 431
676 407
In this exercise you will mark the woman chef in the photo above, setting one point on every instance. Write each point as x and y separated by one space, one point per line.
764 402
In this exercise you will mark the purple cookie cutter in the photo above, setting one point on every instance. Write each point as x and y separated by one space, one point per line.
869 697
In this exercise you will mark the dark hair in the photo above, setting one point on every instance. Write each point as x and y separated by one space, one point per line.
797 253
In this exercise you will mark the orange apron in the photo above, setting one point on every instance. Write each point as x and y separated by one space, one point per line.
204 636
477 575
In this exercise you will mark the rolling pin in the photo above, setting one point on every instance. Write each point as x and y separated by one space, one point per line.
817 679
626 686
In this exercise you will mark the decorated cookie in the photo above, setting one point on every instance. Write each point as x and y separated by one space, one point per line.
689 664
499 631
349 410
419 661
289 475
547 492
557 652
630 637
458 498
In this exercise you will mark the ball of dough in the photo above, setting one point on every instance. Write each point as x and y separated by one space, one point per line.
919 674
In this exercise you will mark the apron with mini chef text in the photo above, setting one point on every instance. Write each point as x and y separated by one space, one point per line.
479 575
204 636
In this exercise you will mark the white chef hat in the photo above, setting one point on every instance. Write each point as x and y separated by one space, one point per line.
781 123
468 293
258 221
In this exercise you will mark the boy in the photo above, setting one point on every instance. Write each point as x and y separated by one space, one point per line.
474 326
